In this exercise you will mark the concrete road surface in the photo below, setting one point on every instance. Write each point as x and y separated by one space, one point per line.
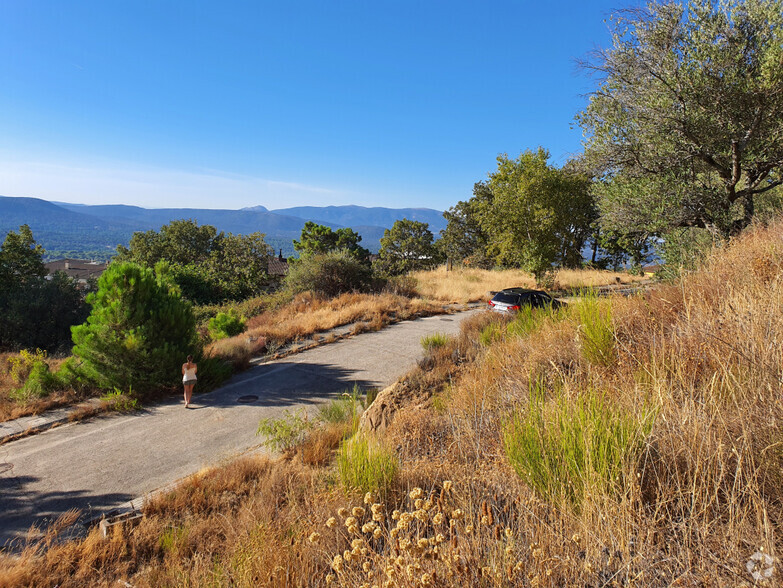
102 463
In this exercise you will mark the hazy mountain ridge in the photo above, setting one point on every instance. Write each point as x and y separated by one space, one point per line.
96 230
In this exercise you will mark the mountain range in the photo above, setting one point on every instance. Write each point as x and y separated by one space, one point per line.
94 231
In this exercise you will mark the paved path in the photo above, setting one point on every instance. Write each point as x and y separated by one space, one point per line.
102 463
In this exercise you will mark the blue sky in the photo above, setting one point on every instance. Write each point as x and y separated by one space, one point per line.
232 104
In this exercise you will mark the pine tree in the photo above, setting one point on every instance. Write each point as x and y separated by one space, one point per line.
139 331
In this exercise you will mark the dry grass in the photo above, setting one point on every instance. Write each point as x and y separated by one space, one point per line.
704 493
308 315
471 285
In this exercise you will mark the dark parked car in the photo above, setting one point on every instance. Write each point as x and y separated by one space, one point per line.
512 299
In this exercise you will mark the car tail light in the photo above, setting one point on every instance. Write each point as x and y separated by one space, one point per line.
515 307
490 303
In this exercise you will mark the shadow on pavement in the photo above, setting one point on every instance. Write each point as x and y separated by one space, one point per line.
283 384
21 508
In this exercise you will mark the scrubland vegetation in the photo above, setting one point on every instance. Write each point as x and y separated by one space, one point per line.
547 454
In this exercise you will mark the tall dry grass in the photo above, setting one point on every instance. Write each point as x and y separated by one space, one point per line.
695 500
463 285
307 315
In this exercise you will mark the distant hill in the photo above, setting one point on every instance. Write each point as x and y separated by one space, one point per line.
352 216
80 230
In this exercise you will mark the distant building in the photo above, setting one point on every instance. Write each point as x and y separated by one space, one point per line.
79 270
278 266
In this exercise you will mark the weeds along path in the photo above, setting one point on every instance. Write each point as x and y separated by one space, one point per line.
98 465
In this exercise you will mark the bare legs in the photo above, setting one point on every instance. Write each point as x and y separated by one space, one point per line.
188 393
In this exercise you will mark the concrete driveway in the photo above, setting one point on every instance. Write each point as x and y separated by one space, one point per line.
100 464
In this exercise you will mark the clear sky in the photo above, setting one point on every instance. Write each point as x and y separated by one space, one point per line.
230 104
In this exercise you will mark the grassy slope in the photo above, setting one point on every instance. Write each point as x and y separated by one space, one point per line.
690 499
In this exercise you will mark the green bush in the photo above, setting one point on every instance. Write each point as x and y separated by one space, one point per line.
40 382
328 274
139 330
596 331
569 450
71 375
286 432
491 333
344 409
364 463
226 324
212 372
120 401
430 342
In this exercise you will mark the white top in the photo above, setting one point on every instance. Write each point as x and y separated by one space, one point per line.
190 374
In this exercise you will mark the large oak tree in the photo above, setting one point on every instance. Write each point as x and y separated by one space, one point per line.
686 126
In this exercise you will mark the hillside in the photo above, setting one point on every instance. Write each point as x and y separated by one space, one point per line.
78 230
621 441
353 216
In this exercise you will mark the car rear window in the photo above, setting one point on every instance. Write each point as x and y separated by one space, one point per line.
506 298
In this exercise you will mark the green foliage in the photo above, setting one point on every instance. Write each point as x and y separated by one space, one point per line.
430 342
685 249
596 331
226 324
365 463
569 450
120 401
491 333
328 274
283 434
212 372
526 321
208 266
319 239
534 215
463 240
406 247
21 260
685 128
72 375
40 382
139 331
21 365
36 312
345 409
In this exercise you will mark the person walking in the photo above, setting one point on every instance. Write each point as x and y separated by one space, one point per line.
189 370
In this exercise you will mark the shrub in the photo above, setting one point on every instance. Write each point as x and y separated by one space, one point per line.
345 409
404 285
328 274
490 333
283 434
596 330
430 342
21 365
120 401
364 463
567 450
212 372
40 382
226 324
139 331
